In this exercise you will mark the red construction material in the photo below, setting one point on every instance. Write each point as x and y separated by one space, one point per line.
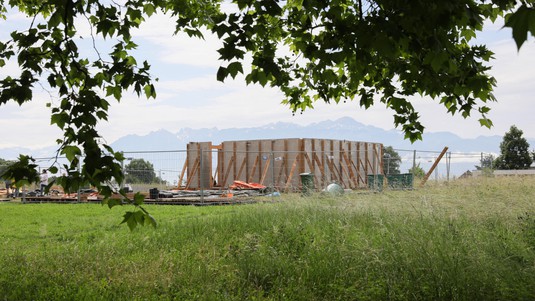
243 185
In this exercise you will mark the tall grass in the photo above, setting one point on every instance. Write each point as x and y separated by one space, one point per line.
463 240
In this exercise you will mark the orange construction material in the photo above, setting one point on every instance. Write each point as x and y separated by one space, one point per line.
243 185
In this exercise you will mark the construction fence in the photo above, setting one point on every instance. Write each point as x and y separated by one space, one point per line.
204 168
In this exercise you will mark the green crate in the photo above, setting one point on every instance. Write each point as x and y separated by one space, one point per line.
375 182
401 181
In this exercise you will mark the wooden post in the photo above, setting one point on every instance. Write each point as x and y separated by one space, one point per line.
281 170
225 177
235 157
184 168
434 166
190 176
266 168
289 181
366 162
238 176
199 152
253 171
350 169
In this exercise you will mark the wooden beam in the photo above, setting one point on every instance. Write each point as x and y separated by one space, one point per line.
340 176
365 161
260 171
381 165
281 169
349 168
434 166
216 175
330 164
289 181
317 160
378 164
359 175
225 178
234 167
190 176
311 166
241 168
199 152
247 151
250 179
265 171
182 173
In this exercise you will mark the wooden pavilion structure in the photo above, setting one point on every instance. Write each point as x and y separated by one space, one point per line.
279 163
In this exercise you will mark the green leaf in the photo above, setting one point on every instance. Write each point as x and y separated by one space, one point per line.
234 68
485 122
112 202
520 22
222 74
60 119
484 110
138 199
139 217
102 115
149 9
130 220
119 156
150 91
150 219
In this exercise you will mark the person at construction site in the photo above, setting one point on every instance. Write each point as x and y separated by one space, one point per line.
44 181
8 185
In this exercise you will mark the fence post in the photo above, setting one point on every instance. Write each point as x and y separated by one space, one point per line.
272 172
448 166
78 197
121 185
414 161
201 173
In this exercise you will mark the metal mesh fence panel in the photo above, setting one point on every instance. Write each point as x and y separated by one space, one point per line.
153 169
217 169
284 171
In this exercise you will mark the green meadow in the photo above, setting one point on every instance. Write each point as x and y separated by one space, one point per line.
470 239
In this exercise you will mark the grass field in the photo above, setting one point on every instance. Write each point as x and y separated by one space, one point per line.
463 240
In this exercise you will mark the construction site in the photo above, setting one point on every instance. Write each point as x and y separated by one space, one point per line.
280 163
237 170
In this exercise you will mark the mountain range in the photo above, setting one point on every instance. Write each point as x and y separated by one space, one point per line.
342 129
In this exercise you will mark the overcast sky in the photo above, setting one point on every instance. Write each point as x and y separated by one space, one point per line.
190 96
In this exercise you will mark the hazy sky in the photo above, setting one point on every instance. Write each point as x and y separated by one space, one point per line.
190 96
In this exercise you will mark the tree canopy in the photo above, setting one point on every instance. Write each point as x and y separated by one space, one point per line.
140 171
371 51
417 171
514 151
486 162
4 164
391 161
